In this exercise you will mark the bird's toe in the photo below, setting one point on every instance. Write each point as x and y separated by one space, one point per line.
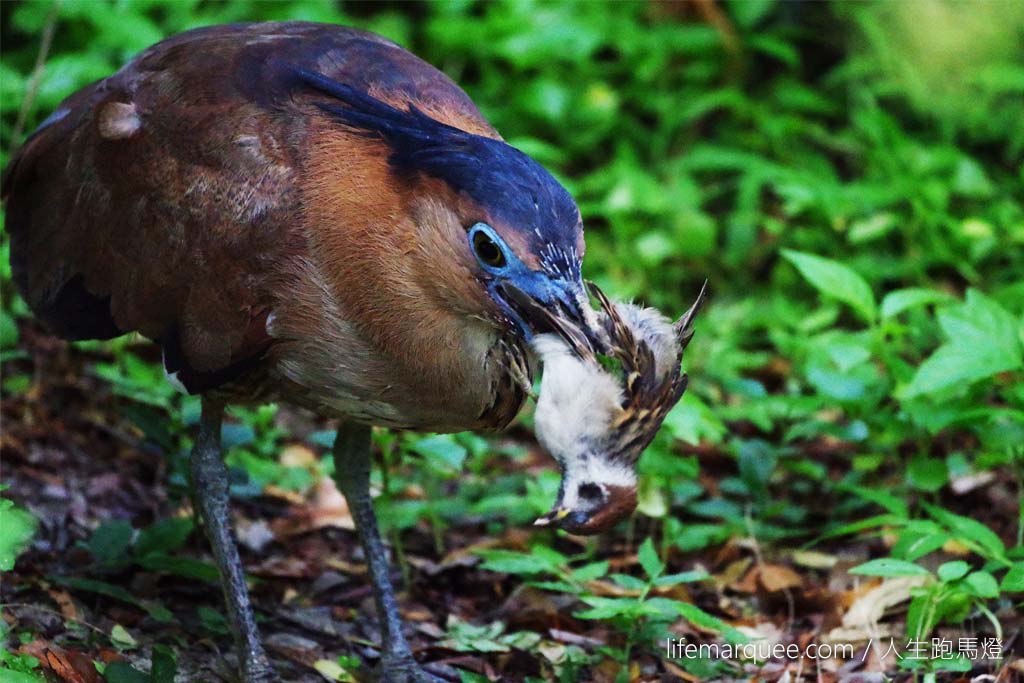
406 670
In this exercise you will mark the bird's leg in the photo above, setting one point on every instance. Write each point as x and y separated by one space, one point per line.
352 473
210 483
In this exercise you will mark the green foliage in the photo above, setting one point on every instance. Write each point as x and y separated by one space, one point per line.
18 668
642 617
848 177
17 527
163 668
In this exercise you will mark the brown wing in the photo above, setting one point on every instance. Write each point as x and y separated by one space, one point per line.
163 199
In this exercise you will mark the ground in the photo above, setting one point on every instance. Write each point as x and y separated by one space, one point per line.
78 596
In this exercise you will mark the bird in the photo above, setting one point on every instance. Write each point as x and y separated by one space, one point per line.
302 213
596 419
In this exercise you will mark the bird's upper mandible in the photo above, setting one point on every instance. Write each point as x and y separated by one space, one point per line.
300 210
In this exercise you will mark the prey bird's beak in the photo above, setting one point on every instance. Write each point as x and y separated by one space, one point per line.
556 515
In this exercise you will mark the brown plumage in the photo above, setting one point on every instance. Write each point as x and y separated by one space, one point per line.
197 193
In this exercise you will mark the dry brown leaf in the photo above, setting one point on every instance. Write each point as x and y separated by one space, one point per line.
64 602
776 577
733 572
327 508
293 497
813 559
297 455
861 621
955 547
70 666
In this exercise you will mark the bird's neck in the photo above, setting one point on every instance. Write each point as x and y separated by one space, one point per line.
406 308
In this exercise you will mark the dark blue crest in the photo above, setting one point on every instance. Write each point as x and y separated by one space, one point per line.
511 186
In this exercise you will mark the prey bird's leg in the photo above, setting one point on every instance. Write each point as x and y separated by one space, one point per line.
210 483
352 474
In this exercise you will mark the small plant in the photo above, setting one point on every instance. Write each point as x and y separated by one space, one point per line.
17 527
642 615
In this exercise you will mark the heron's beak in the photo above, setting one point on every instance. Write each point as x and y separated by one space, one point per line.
541 304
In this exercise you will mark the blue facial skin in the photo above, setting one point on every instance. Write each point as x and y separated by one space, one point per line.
551 292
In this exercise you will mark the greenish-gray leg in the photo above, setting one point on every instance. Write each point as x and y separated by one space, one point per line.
352 473
210 483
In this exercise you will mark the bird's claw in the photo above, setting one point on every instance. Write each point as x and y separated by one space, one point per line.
405 669
259 671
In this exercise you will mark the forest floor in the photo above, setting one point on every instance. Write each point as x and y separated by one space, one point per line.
77 597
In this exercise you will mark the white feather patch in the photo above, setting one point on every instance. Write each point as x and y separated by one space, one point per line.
172 377
578 401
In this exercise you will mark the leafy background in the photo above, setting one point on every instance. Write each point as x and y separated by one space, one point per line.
848 177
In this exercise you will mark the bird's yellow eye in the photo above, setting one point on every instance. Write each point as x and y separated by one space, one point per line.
487 250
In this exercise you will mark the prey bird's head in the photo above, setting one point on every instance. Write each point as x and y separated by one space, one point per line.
486 215
597 421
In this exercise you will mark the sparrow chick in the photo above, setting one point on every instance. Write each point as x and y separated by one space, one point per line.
598 409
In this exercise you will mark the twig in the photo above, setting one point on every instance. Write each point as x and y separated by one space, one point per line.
41 608
37 74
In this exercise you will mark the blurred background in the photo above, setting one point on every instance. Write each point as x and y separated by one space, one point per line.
849 177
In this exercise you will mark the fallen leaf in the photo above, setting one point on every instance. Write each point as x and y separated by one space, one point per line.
776 577
254 534
814 559
861 621
64 602
70 666
327 508
297 455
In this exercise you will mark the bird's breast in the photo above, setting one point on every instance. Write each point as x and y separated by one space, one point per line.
437 372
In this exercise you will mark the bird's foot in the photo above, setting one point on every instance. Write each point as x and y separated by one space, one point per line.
405 669
259 671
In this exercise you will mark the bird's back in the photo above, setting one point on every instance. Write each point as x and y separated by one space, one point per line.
165 198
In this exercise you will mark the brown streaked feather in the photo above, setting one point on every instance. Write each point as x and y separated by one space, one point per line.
684 326
648 397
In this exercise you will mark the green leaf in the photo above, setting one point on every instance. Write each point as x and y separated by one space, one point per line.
1013 581
901 300
512 562
681 577
109 542
927 473
628 582
187 567
8 676
608 608
164 536
951 571
123 672
913 544
122 639
982 584
970 531
8 331
835 280
443 448
213 621
590 572
165 666
155 609
888 567
17 527
695 615
982 340
649 559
